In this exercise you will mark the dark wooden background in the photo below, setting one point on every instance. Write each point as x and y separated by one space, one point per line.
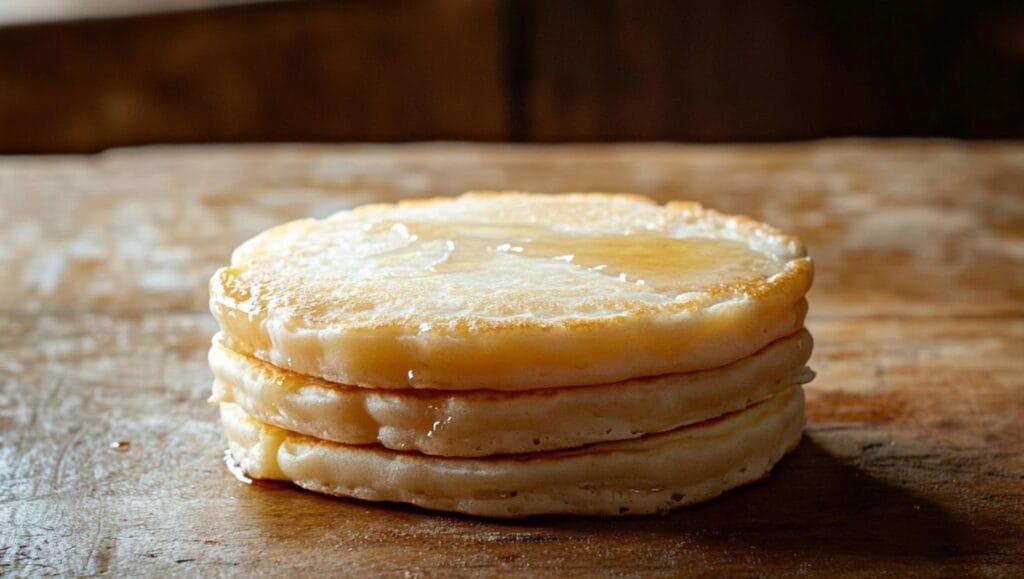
362 70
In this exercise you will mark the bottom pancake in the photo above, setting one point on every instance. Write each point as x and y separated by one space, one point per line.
653 473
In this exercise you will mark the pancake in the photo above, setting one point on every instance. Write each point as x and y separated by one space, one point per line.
480 423
511 291
653 473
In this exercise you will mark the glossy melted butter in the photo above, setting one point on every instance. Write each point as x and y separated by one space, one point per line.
656 261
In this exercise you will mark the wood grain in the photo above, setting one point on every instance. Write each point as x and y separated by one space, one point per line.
87 75
728 71
277 71
913 462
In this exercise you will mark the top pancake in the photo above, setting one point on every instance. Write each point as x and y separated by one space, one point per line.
511 291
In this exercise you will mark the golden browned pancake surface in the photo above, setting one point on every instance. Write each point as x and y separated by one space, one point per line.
511 292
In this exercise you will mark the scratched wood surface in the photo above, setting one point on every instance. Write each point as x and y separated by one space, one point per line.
912 463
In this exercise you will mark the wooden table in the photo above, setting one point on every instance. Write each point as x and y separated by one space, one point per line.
913 461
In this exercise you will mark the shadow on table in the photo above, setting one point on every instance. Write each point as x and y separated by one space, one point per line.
814 508
813 503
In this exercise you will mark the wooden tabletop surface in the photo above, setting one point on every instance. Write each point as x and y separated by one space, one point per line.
913 460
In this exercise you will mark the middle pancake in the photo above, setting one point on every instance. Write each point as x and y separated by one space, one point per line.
483 422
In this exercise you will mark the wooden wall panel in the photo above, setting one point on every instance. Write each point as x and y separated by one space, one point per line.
771 70
521 70
353 70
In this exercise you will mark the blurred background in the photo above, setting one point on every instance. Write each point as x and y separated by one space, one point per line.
86 75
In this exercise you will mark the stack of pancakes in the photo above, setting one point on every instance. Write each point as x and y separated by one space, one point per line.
507 354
